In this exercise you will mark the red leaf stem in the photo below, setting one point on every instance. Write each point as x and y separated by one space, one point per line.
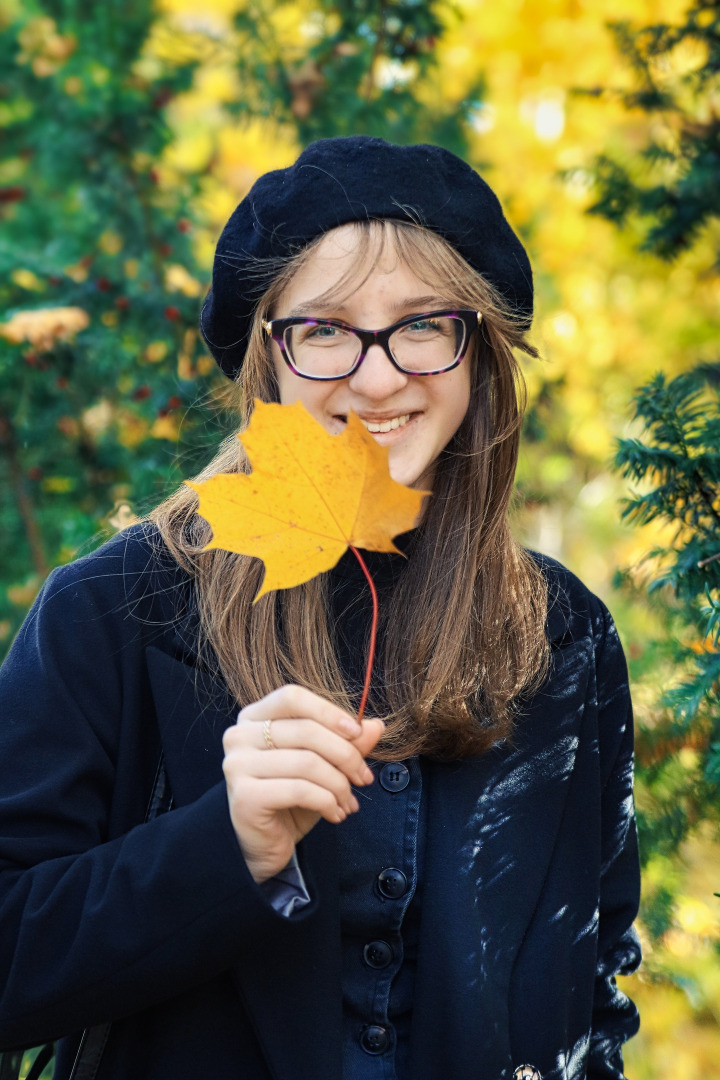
373 632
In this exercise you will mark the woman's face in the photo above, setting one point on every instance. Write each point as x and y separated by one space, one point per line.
430 408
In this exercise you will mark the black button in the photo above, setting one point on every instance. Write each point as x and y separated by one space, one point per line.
392 883
394 776
375 1039
377 954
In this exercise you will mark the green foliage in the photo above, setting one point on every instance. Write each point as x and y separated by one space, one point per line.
89 223
364 71
669 194
677 71
678 465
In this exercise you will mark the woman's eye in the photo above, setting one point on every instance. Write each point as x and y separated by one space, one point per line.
322 333
423 326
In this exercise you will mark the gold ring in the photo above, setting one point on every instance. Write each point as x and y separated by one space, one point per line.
268 737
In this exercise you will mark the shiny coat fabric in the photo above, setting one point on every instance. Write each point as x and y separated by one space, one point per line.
530 884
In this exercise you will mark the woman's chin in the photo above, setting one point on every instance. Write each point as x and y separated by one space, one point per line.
411 474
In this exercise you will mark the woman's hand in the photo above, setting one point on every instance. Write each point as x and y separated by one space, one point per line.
277 794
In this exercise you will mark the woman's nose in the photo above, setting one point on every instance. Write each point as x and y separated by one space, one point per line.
377 377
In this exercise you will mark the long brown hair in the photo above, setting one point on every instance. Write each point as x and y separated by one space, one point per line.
465 640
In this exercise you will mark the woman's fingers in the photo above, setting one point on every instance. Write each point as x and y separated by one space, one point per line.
304 765
296 702
346 755
258 798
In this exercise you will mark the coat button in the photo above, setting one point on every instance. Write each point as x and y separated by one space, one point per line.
392 883
395 776
377 954
375 1039
527 1072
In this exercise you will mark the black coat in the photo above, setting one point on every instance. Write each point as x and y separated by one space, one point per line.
530 885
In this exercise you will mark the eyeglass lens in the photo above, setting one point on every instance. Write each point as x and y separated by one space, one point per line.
426 345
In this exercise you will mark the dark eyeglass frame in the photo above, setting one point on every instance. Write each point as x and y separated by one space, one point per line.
277 329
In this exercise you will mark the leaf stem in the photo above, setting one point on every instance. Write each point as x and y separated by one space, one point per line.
373 632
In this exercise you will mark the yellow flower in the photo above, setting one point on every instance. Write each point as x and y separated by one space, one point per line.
43 327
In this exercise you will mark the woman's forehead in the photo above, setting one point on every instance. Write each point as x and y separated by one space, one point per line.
357 246
346 257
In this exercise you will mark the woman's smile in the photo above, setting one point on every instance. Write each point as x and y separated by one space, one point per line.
388 428
383 426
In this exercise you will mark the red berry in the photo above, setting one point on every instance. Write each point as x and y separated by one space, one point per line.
61 383
35 472
162 412
184 225
122 302
31 359
141 393
103 284
172 313
174 402
54 280
165 250
12 194
154 175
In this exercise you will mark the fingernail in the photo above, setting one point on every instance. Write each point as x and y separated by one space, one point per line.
350 727
354 803
368 776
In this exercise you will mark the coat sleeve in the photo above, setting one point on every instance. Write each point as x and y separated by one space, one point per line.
96 921
614 1018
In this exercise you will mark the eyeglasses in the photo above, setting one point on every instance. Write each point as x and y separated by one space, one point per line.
326 349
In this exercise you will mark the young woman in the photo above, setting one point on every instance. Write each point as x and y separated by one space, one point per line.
445 892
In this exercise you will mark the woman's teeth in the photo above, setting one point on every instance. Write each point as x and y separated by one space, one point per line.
388 425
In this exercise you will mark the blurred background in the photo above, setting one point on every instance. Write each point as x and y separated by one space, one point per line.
131 129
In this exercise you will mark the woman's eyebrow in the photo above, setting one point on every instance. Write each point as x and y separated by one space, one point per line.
412 304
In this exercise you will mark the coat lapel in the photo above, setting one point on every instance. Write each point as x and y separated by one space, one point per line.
191 721
291 990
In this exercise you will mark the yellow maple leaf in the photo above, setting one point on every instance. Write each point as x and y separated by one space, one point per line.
310 496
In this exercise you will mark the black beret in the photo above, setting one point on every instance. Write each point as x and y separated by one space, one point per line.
358 178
